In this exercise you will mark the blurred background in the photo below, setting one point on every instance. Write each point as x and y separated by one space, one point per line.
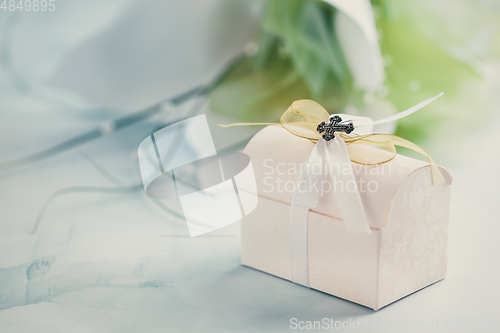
82 83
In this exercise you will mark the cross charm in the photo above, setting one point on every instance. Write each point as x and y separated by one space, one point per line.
334 126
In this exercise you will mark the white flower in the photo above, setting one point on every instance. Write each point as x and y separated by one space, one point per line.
355 26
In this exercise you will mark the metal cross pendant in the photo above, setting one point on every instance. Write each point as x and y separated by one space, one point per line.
334 126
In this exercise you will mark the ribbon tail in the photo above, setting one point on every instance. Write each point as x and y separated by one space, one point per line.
402 114
436 175
303 200
335 154
348 196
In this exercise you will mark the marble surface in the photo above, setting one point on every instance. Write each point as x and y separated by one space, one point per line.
119 263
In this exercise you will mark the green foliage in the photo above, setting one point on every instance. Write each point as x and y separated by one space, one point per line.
420 69
298 57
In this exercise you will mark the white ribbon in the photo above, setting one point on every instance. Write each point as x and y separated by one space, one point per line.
333 154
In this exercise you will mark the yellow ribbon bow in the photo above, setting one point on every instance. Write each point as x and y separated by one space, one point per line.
302 119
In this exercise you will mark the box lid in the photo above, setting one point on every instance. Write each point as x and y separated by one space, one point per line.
278 155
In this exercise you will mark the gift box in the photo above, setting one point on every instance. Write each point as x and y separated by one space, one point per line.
406 249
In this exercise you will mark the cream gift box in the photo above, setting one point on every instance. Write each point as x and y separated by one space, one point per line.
408 217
